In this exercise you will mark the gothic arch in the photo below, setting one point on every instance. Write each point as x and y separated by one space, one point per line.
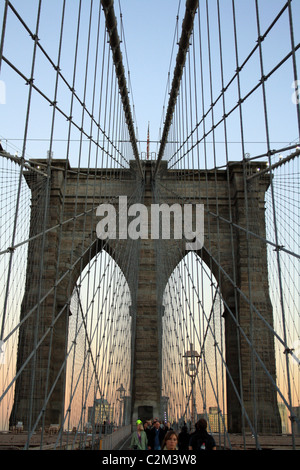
196 325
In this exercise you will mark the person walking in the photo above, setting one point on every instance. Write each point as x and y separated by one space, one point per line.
139 439
200 439
183 439
147 428
156 436
170 441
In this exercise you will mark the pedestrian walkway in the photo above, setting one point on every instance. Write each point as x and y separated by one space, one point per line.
125 444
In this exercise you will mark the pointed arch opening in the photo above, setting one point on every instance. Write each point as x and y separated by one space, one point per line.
193 323
99 348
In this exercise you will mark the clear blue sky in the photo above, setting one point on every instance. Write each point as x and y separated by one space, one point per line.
149 32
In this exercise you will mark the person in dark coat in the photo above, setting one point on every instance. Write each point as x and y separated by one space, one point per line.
200 439
147 427
156 436
183 439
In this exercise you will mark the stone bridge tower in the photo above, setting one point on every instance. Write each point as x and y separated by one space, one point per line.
226 251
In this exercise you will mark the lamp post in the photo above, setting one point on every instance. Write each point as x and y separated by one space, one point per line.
121 391
192 360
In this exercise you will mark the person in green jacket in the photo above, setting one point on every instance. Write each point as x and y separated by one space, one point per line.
139 439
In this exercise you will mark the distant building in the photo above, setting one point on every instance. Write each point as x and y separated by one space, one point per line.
285 423
100 413
216 422
296 425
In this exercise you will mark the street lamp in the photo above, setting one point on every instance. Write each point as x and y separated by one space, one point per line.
121 391
192 360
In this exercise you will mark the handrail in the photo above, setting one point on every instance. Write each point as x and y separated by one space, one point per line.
113 440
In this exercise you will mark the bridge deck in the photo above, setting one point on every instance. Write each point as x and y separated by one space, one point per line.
10 441
267 442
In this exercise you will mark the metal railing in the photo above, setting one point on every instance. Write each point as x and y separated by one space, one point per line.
112 441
